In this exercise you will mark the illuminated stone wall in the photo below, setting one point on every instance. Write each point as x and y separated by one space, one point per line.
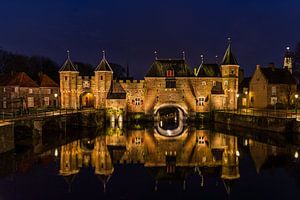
146 96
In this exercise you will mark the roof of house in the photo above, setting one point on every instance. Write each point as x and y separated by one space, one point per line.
278 75
209 70
46 81
20 79
160 66
229 58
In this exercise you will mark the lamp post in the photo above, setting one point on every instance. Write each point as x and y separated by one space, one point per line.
56 102
296 104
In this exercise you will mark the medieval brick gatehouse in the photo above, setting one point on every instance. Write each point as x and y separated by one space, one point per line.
168 82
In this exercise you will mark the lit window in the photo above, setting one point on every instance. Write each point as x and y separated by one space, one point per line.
201 101
16 89
170 73
30 90
30 102
46 101
138 101
203 83
4 90
273 100
138 140
214 83
273 90
201 140
225 83
244 102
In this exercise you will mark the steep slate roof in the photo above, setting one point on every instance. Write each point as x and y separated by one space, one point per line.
103 66
159 68
209 70
20 79
68 66
278 76
46 81
116 91
229 58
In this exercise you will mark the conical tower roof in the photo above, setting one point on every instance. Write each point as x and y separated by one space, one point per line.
229 58
68 65
103 65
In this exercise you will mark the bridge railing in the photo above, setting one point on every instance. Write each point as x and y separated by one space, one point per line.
264 112
33 113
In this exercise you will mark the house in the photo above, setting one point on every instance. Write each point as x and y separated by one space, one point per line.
271 86
244 93
18 92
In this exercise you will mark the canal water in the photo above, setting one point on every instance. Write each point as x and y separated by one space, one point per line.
138 162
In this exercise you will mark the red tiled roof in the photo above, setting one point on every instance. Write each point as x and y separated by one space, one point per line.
46 81
21 79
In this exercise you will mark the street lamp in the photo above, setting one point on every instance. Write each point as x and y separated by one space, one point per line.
296 103
56 103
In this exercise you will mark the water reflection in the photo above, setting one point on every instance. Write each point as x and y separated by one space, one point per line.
198 153
170 121
166 159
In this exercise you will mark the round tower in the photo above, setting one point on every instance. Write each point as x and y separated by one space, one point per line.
230 75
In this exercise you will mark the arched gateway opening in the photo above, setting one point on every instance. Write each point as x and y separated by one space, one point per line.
170 120
87 100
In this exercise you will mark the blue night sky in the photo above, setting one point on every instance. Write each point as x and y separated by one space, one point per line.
130 31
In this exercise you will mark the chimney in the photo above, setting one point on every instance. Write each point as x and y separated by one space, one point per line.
272 65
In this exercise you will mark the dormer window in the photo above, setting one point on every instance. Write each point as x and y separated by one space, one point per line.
170 73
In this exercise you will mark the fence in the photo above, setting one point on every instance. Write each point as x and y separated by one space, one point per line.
265 112
35 113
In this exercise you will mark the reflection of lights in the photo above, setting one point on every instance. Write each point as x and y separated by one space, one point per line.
56 152
296 155
237 153
246 142
161 123
169 132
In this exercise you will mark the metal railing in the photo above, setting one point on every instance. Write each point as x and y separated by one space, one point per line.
37 113
264 112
